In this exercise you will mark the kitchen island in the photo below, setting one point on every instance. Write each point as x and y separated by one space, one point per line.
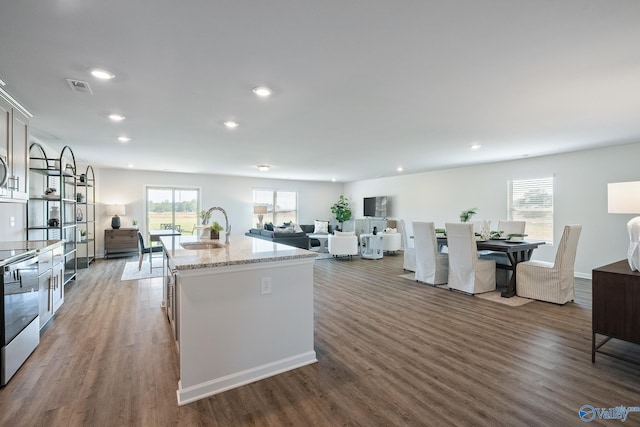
241 312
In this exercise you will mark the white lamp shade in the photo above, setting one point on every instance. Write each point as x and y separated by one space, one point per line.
115 209
259 209
624 197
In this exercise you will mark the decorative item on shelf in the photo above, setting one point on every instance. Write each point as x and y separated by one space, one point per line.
79 197
375 230
115 210
54 216
79 215
83 235
51 193
341 210
215 229
260 211
83 178
135 223
624 198
465 216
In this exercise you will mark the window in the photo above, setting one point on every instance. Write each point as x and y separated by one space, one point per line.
531 200
282 206
175 208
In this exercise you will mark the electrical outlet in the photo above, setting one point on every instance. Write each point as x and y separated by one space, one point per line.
12 221
265 285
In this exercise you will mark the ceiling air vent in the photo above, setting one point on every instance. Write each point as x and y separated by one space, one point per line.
79 86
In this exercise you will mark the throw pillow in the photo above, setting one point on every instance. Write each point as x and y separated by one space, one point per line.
297 228
320 227
268 226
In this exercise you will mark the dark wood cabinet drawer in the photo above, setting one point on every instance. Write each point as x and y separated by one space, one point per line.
121 241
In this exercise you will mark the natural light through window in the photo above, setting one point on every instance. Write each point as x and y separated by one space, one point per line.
172 208
531 200
282 206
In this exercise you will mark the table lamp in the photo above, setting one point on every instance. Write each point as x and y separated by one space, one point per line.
624 198
260 211
115 210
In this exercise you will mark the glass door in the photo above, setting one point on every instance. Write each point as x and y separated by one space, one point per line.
172 209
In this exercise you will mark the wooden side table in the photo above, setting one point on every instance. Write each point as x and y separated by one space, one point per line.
120 242
615 305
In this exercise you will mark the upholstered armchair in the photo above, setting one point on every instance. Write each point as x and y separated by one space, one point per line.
551 282
408 248
432 267
391 241
343 244
467 272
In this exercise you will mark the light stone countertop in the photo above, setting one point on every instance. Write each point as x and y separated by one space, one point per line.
37 245
241 250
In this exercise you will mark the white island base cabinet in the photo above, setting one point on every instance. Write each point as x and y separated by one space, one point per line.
241 323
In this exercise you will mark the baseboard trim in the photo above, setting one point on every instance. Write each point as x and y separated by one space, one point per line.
218 385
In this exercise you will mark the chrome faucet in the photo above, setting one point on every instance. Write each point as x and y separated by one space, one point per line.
227 226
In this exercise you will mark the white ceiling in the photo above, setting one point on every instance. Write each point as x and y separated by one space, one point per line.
361 86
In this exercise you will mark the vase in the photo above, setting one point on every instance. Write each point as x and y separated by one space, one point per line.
485 230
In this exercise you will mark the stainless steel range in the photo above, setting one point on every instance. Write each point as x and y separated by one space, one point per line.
20 325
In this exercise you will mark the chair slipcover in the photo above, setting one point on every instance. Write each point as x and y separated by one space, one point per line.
409 250
468 273
551 282
343 244
432 267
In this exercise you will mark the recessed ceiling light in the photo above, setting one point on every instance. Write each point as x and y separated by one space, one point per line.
124 139
333 179
116 117
231 124
130 165
475 146
262 91
263 168
400 169
102 74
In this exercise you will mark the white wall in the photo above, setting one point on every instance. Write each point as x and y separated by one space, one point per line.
234 194
17 232
580 197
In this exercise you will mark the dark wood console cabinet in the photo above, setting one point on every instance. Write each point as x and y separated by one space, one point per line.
615 304
120 242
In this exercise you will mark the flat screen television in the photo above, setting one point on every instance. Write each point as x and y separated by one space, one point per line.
376 207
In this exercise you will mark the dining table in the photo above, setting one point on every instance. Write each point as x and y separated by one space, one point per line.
516 252
154 235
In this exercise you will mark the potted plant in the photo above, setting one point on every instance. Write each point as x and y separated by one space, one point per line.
341 210
135 223
465 216
83 235
215 229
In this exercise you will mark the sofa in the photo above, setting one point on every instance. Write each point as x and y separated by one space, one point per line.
299 240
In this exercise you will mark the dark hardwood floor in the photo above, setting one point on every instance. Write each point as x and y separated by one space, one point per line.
391 352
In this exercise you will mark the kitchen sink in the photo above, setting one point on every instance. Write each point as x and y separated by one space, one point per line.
202 245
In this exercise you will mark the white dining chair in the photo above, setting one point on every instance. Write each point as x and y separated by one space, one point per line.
551 282
408 248
467 272
432 267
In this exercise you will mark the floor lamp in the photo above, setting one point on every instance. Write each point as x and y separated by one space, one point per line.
624 198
